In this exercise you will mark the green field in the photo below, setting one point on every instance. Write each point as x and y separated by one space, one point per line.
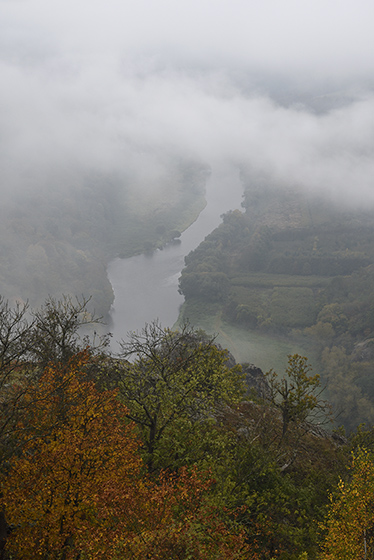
266 351
261 280
292 275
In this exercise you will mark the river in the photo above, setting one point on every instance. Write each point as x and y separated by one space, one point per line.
146 286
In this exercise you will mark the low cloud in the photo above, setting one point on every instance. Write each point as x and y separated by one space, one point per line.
111 87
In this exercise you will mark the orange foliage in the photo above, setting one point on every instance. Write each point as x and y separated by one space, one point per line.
173 522
74 441
78 489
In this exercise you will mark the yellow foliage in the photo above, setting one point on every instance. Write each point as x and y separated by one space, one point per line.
350 522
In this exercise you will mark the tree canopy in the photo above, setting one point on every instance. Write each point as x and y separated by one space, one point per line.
173 375
350 522
297 395
161 452
77 488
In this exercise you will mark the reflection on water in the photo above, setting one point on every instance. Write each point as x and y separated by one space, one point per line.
146 286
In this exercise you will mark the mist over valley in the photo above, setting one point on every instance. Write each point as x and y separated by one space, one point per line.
114 118
186 279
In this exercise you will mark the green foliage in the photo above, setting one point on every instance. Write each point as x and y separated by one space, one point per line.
77 488
299 267
297 395
263 280
292 307
283 483
175 379
270 466
212 286
347 397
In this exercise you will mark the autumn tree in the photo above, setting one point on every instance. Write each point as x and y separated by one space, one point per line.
77 489
74 441
173 376
15 326
29 340
175 520
350 522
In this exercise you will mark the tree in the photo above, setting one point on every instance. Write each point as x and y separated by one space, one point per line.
74 441
208 285
51 333
77 489
176 521
29 340
350 521
57 330
284 487
15 327
15 344
297 395
174 375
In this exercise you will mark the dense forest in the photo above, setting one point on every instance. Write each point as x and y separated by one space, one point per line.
296 267
168 450
58 237
171 449
245 430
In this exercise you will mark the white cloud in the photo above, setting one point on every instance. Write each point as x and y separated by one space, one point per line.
105 85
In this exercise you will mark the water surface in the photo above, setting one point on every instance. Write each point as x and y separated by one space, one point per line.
146 286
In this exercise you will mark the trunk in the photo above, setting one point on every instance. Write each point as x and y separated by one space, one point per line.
4 532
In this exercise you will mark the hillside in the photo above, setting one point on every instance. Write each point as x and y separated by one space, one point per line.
58 236
292 272
167 450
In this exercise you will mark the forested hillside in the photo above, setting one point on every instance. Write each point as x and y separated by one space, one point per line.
168 450
299 268
58 236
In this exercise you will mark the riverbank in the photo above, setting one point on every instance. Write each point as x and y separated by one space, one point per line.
146 286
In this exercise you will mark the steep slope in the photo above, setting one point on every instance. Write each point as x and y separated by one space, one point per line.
292 270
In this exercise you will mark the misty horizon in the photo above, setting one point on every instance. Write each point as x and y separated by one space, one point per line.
117 88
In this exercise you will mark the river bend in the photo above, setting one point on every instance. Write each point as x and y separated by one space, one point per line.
146 286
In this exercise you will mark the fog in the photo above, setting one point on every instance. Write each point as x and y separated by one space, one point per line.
282 87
